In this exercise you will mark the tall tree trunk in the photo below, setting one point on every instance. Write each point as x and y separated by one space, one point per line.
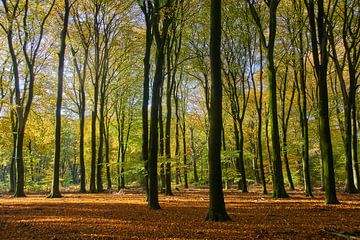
107 158
278 179
304 121
216 210
186 184
146 8
162 147
285 115
319 36
177 141
82 142
193 154
99 169
160 37
13 154
31 160
355 147
169 90
259 104
55 191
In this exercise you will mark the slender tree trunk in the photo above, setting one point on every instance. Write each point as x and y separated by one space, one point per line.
13 154
355 147
259 104
162 147
278 179
177 141
82 142
146 7
169 90
99 182
160 37
304 122
186 184
122 149
31 160
55 191
107 159
193 154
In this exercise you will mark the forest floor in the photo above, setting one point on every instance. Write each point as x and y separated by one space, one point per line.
124 216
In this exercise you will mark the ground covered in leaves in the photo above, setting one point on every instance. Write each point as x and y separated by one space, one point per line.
124 215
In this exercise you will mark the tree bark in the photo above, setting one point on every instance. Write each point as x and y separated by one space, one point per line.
55 191
216 210
319 36
146 8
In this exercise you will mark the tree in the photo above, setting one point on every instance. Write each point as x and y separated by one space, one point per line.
23 95
300 83
55 191
216 210
318 30
147 8
80 96
160 35
278 179
350 41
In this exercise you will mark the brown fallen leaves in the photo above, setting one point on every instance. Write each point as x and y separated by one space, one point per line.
125 216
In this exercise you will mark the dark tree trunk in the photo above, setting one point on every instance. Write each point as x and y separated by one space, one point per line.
242 184
99 169
160 37
319 36
186 184
55 191
177 136
278 179
304 121
94 112
146 8
216 210
285 115
162 146
107 158
13 154
82 108
259 104
355 147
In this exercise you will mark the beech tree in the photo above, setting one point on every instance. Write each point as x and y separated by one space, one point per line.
319 39
55 191
216 210
29 34
278 179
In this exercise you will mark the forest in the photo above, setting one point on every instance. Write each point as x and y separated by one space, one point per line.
200 106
